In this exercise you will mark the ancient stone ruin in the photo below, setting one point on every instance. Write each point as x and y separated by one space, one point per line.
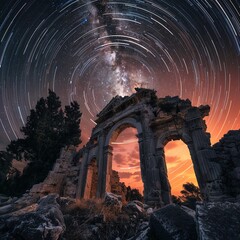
158 121
87 174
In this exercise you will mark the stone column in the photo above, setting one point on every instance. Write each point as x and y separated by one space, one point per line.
141 156
100 162
108 161
207 171
162 171
106 170
151 178
82 175
88 185
197 169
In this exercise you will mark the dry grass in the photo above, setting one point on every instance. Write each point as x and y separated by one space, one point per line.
93 207
91 219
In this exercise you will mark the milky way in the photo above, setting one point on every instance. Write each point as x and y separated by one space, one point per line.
90 51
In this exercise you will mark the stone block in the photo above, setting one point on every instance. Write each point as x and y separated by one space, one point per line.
234 152
46 222
236 173
172 223
218 221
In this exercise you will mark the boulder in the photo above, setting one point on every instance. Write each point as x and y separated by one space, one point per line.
45 223
189 211
220 221
142 235
149 211
228 156
113 200
172 223
142 232
6 209
112 206
4 200
135 207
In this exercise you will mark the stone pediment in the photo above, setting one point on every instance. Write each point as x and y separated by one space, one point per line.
119 103
116 101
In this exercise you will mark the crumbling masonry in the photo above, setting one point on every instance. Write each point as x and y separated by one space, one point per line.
158 121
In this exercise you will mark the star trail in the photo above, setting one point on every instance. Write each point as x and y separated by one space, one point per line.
90 51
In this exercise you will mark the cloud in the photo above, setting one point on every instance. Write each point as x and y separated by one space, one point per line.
137 173
119 159
134 164
128 133
171 145
134 154
172 159
137 148
119 148
137 178
125 174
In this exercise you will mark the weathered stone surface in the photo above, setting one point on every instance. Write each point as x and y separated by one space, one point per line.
158 121
135 207
142 235
117 187
17 204
113 200
6 209
189 211
45 223
5 199
172 223
143 232
218 221
62 179
228 156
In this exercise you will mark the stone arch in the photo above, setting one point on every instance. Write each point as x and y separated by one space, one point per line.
157 120
167 136
121 126
112 135
163 137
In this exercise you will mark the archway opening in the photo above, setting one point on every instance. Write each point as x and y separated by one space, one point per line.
179 166
92 180
126 160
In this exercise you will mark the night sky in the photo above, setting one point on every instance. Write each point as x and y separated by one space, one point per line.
90 51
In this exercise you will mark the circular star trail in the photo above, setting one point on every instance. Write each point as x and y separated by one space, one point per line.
90 51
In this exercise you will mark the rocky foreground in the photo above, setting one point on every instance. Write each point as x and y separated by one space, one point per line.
54 218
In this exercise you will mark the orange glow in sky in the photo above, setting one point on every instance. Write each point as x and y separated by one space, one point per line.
126 162
179 164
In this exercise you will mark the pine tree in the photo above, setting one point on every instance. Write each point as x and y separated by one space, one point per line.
47 130
5 165
72 121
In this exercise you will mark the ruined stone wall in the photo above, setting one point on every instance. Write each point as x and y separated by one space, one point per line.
228 156
157 120
118 187
63 179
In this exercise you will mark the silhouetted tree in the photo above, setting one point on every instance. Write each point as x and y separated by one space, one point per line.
47 130
5 165
72 122
133 194
176 200
190 195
